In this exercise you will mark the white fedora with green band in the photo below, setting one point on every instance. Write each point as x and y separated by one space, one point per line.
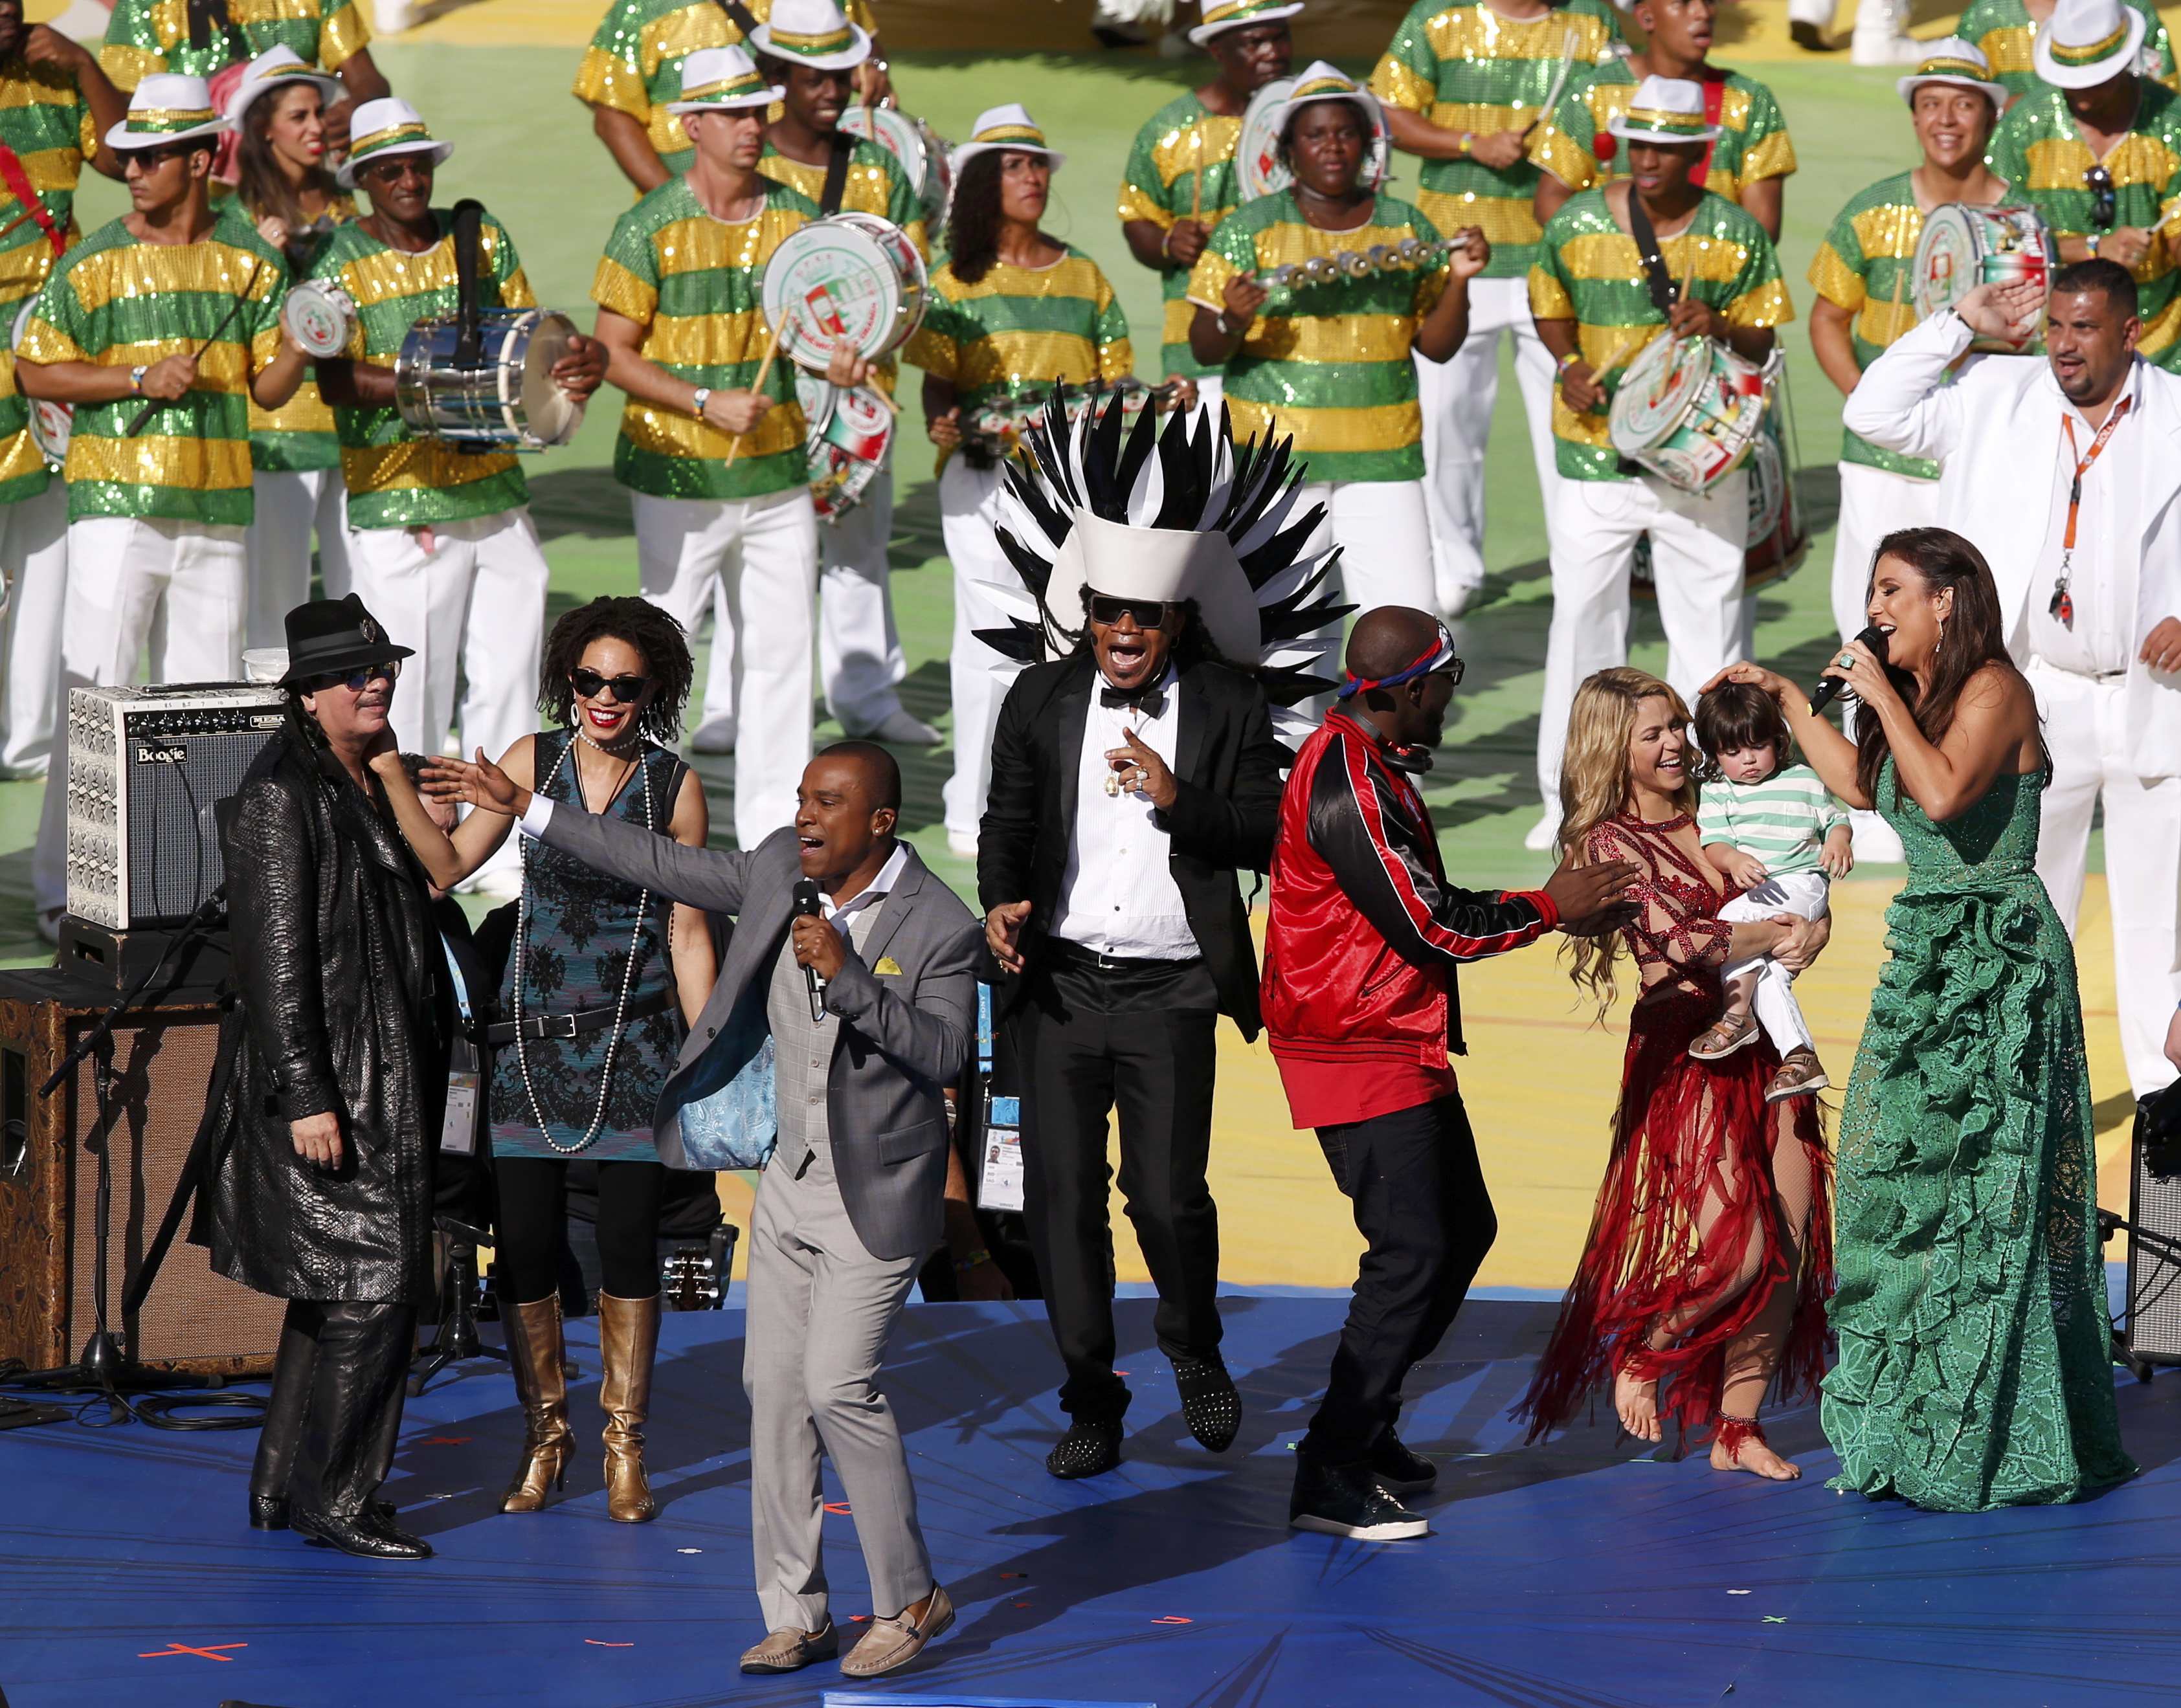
383 128
1222 15
2087 43
1669 110
815 33
1960 65
167 108
277 68
999 129
722 80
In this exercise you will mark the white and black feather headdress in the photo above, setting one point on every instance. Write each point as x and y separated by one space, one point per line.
1182 513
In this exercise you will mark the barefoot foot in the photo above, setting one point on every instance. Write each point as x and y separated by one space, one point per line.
1755 1457
1635 1398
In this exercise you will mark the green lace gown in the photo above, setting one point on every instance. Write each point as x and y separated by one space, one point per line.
1974 1366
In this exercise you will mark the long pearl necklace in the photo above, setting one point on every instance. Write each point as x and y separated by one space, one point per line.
628 973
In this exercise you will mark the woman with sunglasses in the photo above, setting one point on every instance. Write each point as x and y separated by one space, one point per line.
1331 363
282 188
1013 311
601 985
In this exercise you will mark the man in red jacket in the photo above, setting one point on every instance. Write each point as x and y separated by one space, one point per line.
1360 1003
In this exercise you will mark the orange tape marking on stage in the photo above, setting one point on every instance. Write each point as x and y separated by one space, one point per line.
206 1653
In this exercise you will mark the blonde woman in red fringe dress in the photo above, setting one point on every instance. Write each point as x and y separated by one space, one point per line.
1710 1254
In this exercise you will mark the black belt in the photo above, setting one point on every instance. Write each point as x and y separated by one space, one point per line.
539 1028
1069 953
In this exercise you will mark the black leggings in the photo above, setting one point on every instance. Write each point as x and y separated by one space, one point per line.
533 1209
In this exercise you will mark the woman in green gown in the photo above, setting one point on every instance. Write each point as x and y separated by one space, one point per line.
1975 1369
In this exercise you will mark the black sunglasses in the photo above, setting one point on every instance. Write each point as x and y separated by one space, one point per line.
1110 608
357 681
1452 672
588 683
2104 201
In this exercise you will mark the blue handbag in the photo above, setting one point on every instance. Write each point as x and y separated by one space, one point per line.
731 1118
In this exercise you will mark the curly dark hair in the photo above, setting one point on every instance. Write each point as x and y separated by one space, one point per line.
973 218
1739 714
639 624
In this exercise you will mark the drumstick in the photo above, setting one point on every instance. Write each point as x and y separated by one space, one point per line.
764 374
1569 43
153 406
1196 183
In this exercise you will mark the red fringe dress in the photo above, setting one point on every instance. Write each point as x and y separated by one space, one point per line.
1712 1199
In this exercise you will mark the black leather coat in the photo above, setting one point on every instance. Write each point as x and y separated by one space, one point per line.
343 1006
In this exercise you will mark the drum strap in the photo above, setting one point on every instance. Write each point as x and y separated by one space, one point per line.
207 16
468 234
1656 279
836 173
20 186
744 19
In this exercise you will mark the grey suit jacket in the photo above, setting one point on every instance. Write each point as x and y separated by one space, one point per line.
903 1035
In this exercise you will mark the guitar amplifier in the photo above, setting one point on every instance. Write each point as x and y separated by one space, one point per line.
145 766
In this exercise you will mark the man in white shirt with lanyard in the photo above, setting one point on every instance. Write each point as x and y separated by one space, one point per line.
2089 583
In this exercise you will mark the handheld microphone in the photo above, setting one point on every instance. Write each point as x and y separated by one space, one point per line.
806 901
1832 687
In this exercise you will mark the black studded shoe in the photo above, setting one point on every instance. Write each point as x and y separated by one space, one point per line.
1209 1404
1091 1446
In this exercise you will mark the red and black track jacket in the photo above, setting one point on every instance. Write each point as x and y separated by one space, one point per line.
1365 932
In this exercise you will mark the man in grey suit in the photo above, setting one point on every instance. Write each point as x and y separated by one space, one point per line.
849 1205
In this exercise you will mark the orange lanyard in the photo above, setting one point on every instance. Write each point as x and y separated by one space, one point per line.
2062 606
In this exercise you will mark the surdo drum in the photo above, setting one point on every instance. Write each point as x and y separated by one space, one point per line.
1688 410
1965 245
509 401
854 280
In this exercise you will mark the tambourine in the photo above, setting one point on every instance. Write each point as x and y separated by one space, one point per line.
320 316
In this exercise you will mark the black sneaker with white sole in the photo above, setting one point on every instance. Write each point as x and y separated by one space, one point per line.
1348 1501
1399 1468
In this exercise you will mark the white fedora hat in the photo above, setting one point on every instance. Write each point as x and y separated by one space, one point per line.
1958 62
815 33
1222 15
2087 43
723 80
383 128
166 108
278 67
1009 127
1665 109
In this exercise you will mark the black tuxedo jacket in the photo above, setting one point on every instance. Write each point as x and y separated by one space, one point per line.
1227 767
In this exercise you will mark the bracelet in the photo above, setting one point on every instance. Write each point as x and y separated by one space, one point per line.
1468 138
696 403
976 1260
1567 362
1219 320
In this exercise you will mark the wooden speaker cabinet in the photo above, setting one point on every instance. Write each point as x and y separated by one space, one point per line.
194 1322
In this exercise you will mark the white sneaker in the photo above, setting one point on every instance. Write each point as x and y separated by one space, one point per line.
1462 597
1543 833
960 846
714 735
902 729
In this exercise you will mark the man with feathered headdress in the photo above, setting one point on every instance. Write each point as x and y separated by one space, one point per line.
1166 606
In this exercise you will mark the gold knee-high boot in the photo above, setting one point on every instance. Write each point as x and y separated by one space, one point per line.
628 1340
534 1349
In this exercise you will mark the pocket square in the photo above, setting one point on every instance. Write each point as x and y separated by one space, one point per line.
887 965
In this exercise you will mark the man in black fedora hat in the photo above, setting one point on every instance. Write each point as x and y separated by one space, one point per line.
318 1173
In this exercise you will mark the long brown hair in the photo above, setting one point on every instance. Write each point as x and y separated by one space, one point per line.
973 218
1596 780
262 186
1973 637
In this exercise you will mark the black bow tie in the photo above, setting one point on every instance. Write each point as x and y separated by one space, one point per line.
1149 702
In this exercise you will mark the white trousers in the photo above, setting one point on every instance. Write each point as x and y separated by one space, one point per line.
1697 545
1457 396
2086 733
179 588
290 504
978 676
762 555
860 661
1384 531
34 558
1804 895
1873 504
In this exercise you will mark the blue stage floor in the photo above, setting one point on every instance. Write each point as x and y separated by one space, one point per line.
1578 1575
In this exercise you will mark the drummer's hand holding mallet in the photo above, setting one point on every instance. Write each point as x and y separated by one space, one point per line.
582 368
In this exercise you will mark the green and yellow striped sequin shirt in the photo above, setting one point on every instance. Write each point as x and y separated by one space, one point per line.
1588 271
120 303
695 285
1184 142
634 61
1463 67
395 480
1328 364
1863 266
1575 146
147 35
2038 149
1018 329
44 119
2005 31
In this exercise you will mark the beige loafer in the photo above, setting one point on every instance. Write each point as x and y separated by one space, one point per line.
891 1644
790 1651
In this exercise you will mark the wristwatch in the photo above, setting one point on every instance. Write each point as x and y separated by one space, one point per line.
137 379
696 403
